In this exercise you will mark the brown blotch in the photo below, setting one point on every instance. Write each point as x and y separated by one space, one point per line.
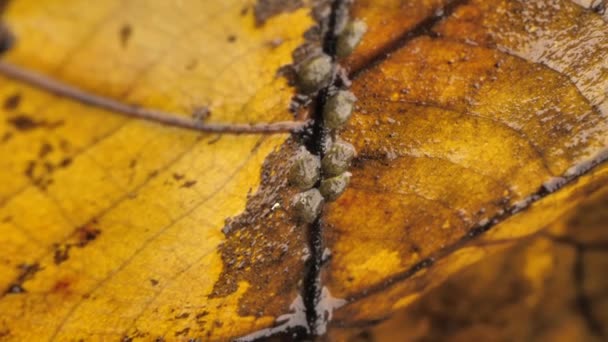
154 282
65 162
182 332
231 38
125 35
23 122
188 184
12 102
264 245
6 137
62 285
87 233
266 9
45 149
61 253
80 238
183 316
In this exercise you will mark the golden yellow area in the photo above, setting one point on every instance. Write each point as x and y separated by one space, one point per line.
111 226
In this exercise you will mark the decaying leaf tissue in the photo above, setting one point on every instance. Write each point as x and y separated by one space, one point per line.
304 170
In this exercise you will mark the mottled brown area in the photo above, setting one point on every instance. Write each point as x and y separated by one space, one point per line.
50 159
549 288
453 135
264 245
266 9
81 237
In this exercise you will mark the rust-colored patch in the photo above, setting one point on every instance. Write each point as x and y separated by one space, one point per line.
264 246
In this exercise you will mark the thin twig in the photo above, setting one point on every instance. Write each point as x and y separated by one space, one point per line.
133 111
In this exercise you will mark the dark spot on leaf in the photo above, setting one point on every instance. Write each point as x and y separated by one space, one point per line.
201 314
188 184
192 65
132 163
29 169
182 332
12 102
15 288
61 286
65 162
6 137
125 34
23 122
178 176
266 9
231 38
87 233
27 272
183 316
45 149
154 282
153 174
61 253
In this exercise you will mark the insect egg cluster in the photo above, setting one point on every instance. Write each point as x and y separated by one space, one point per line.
324 178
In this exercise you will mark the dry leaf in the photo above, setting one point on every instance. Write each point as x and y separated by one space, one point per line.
479 124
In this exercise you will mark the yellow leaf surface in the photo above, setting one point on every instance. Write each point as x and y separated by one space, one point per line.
112 228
